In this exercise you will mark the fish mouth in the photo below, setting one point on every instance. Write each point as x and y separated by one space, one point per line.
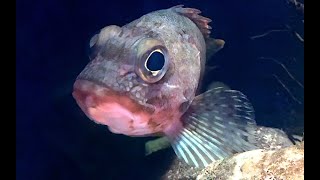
103 105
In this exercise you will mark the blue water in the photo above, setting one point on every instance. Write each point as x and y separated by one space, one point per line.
54 138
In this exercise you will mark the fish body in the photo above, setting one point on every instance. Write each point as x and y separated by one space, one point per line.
143 79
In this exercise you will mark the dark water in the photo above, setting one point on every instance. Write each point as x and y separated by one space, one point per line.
54 138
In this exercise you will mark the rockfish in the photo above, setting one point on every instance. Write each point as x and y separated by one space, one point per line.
143 80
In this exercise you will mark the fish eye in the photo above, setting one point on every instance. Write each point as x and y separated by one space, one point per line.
152 59
155 62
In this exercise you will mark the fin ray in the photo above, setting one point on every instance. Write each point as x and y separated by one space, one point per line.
198 142
212 144
218 123
193 14
187 150
212 45
191 155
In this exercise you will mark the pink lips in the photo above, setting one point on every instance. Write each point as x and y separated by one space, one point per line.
101 104
104 106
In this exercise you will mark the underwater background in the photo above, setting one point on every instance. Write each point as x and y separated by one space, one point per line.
55 140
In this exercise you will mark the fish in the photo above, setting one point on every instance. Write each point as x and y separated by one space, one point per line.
143 80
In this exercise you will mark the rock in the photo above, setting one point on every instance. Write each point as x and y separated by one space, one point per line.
180 171
286 163
271 138
270 141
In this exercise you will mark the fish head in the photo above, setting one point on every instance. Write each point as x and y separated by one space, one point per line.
131 83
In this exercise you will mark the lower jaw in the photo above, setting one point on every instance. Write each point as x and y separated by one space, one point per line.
104 106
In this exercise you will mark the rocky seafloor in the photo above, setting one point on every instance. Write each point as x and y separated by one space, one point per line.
278 158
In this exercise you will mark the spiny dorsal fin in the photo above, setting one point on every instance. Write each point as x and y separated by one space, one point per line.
193 15
213 45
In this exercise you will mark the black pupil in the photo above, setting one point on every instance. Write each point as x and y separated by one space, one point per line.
155 61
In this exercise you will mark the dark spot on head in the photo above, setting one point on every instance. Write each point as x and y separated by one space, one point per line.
121 34
182 32
192 40
151 34
157 101
157 24
137 30
184 106
187 93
